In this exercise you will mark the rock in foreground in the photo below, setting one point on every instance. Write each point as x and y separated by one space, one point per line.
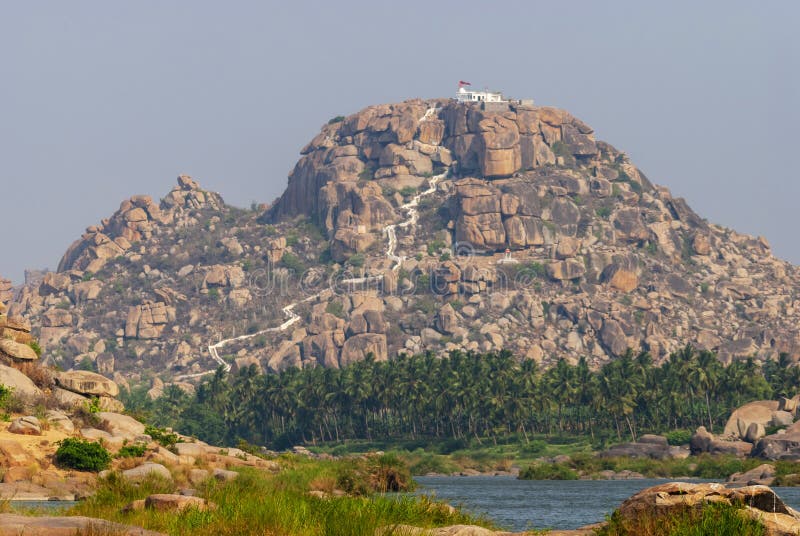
757 502
14 525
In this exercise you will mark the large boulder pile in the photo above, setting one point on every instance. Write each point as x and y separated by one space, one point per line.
750 421
469 227
15 334
648 446
136 220
745 432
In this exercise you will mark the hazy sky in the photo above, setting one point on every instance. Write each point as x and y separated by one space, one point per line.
101 100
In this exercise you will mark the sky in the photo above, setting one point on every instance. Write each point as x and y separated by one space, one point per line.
103 100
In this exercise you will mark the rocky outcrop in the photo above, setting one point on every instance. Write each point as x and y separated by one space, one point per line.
141 472
779 446
87 383
756 502
21 384
16 351
15 524
750 421
763 475
170 502
704 441
648 446
26 426
137 219
148 320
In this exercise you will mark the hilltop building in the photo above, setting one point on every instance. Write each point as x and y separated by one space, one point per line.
488 100
469 95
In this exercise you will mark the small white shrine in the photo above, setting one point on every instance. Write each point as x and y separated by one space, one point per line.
465 94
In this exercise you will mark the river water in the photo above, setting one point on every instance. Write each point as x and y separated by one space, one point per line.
555 504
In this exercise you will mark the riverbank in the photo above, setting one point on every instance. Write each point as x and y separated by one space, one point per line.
305 498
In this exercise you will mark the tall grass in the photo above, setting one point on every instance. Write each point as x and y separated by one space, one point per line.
712 519
264 504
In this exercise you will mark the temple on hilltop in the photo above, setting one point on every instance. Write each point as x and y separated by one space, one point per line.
469 95
494 99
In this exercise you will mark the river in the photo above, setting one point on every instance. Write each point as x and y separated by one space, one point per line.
555 504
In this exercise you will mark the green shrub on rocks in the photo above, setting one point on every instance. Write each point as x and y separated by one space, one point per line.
74 453
131 451
678 437
709 520
162 436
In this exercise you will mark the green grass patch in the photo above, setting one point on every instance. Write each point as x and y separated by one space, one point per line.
257 503
713 519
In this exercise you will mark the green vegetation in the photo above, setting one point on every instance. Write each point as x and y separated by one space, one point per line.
161 436
704 466
290 510
435 247
561 149
86 364
5 397
357 260
292 262
74 453
131 451
34 345
366 174
712 519
92 405
292 239
603 212
469 395
678 437
337 119
335 308
408 191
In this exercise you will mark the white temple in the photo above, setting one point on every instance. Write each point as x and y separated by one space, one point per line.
468 95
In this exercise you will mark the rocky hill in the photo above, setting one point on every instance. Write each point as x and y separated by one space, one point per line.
419 226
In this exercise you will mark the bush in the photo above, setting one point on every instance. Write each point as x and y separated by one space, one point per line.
292 262
74 453
5 397
337 119
131 451
335 308
161 436
389 474
535 447
548 471
357 260
603 212
678 437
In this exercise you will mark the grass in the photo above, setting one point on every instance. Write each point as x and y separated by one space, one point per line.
261 503
713 519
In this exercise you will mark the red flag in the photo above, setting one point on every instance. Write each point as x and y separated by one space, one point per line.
462 83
